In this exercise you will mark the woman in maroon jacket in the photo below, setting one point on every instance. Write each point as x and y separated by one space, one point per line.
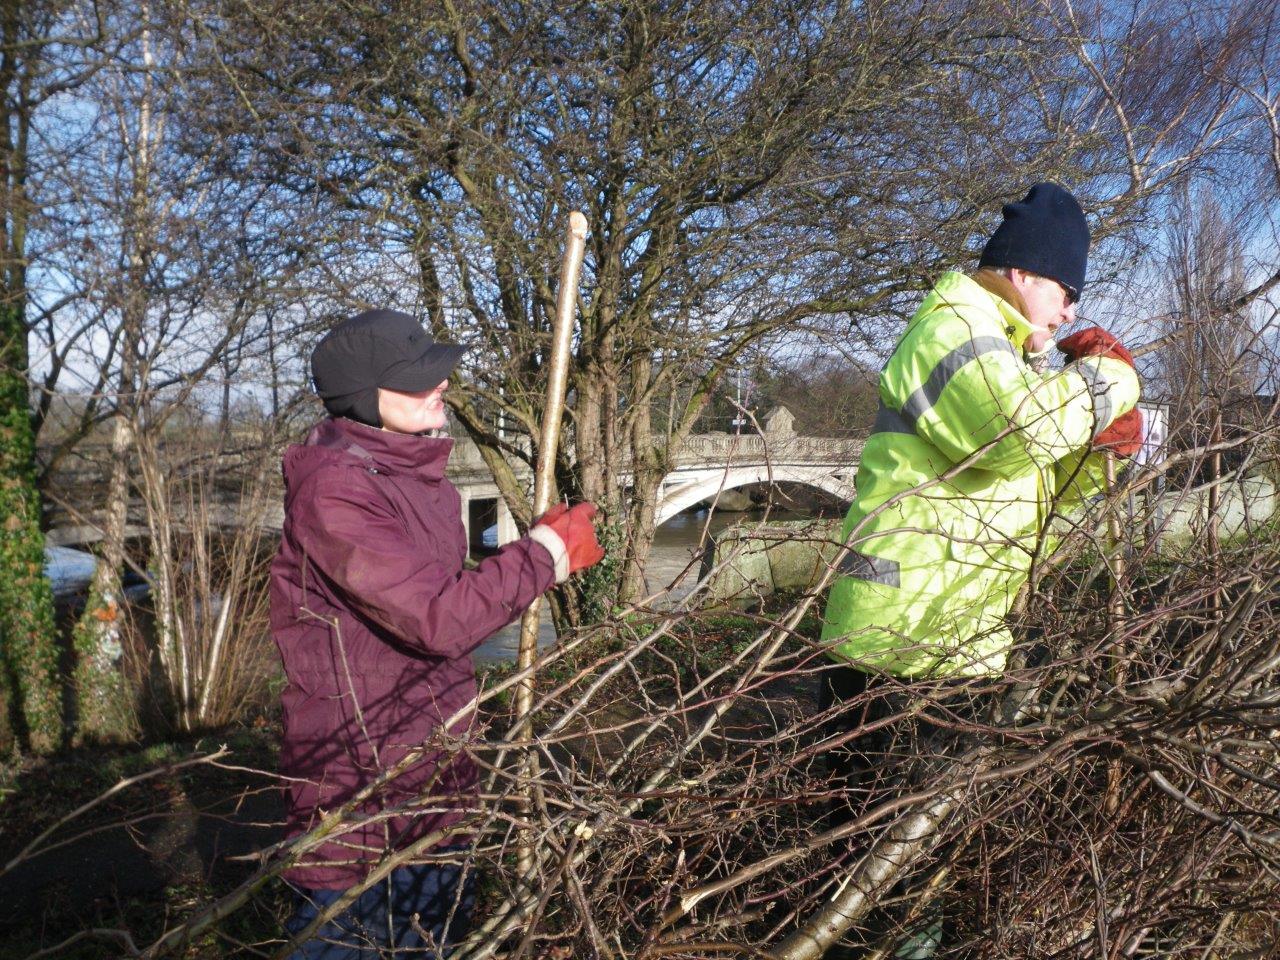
375 619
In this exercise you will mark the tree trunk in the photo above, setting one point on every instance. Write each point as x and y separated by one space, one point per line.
102 710
172 648
870 879
613 490
589 417
224 406
274 365
648 467
642 526
31 683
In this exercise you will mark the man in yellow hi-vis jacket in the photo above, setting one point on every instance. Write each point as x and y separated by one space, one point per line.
971 447
973 443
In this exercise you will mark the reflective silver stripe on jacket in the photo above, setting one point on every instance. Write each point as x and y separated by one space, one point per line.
889 420
875 569
926 395
1100 391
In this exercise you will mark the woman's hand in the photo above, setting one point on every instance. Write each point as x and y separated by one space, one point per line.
575 533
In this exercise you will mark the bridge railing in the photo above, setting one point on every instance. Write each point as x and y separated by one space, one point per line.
755 448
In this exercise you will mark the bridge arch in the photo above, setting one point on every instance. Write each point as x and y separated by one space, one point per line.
676 498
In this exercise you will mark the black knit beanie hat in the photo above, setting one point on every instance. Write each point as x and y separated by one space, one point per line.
1045 233
377 348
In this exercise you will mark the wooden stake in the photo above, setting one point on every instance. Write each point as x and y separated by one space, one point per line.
1115 606
1212 536
1115 617
545 482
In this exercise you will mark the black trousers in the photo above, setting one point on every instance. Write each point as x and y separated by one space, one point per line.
855 704
892 738
892 741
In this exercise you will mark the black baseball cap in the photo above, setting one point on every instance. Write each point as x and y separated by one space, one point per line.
377 348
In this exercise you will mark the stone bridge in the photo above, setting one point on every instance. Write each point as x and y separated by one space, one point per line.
706 466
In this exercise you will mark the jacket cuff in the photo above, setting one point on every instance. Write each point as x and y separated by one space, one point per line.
548 538
1113 388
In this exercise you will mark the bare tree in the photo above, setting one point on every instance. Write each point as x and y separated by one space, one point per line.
178 271
743 169
1213 353
46 50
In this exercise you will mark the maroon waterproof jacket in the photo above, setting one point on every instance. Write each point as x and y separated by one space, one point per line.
376 619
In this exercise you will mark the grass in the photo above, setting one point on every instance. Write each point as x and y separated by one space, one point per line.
169 861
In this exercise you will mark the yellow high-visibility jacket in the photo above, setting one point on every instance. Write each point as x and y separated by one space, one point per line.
970 449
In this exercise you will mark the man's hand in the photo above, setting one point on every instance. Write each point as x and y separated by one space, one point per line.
1094 342
1124 436
572 526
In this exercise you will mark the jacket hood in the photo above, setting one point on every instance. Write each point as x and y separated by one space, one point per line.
338 440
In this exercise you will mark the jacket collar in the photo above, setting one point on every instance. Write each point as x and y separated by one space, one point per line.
1012 307
399 454
955 289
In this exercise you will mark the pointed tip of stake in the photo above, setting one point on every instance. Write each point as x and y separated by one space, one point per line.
578 225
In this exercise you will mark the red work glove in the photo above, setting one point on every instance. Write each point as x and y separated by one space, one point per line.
570 537
558 510
1124 436
1094 342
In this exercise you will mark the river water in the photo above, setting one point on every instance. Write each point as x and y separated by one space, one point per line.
670 573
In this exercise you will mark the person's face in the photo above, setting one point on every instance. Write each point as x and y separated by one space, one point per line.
1049 306
416 412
